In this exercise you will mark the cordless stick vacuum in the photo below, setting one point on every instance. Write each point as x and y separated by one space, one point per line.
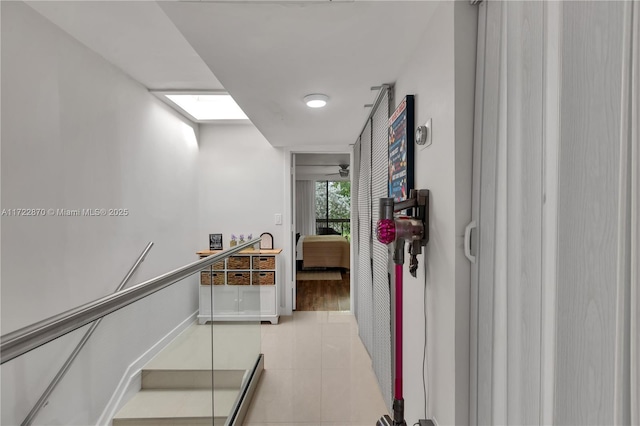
392 228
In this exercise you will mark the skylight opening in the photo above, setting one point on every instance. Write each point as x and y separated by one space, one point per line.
205 107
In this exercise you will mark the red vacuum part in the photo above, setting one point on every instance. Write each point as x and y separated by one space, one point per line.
398 384
386 231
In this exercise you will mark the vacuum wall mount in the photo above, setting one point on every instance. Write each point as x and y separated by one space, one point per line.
412 227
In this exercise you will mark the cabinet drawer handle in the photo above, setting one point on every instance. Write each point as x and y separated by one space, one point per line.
239 275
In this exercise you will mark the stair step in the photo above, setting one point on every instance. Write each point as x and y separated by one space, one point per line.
191 379
176 407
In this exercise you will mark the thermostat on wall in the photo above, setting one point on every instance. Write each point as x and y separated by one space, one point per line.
423 135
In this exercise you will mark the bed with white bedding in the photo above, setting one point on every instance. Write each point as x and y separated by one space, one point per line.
323 251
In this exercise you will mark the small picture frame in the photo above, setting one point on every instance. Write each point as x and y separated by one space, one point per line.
215 241
267 241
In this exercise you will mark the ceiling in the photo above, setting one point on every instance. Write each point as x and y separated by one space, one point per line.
267 55
135 36
320 166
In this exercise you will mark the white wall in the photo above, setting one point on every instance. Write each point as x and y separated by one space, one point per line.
78 133
241 183
441 75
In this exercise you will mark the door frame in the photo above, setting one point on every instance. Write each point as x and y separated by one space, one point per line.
290 216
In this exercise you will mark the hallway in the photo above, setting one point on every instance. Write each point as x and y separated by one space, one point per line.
92 126
523 125
317 372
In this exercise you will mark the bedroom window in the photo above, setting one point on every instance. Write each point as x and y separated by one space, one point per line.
333 208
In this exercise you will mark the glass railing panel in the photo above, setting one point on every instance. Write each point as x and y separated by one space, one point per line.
234 325
25 378
117 364
153 359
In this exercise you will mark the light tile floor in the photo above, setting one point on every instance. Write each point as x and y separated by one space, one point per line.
317 372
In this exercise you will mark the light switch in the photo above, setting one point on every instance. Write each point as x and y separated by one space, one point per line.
278 219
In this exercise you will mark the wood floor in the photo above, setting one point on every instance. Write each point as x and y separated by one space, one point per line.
322 295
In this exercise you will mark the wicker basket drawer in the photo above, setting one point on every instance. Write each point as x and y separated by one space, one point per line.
239 262
238 278
264 278
206 277
218 278
264 262
218 266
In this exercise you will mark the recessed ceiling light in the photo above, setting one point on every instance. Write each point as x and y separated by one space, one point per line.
208 106
316 100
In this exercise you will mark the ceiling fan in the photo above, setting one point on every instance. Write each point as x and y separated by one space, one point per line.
343 171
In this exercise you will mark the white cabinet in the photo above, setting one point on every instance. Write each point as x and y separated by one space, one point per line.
245 288
256 299
225 300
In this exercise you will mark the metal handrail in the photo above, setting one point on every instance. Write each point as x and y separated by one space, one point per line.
21 341
65 367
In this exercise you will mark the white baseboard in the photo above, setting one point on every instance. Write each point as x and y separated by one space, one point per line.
131 381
